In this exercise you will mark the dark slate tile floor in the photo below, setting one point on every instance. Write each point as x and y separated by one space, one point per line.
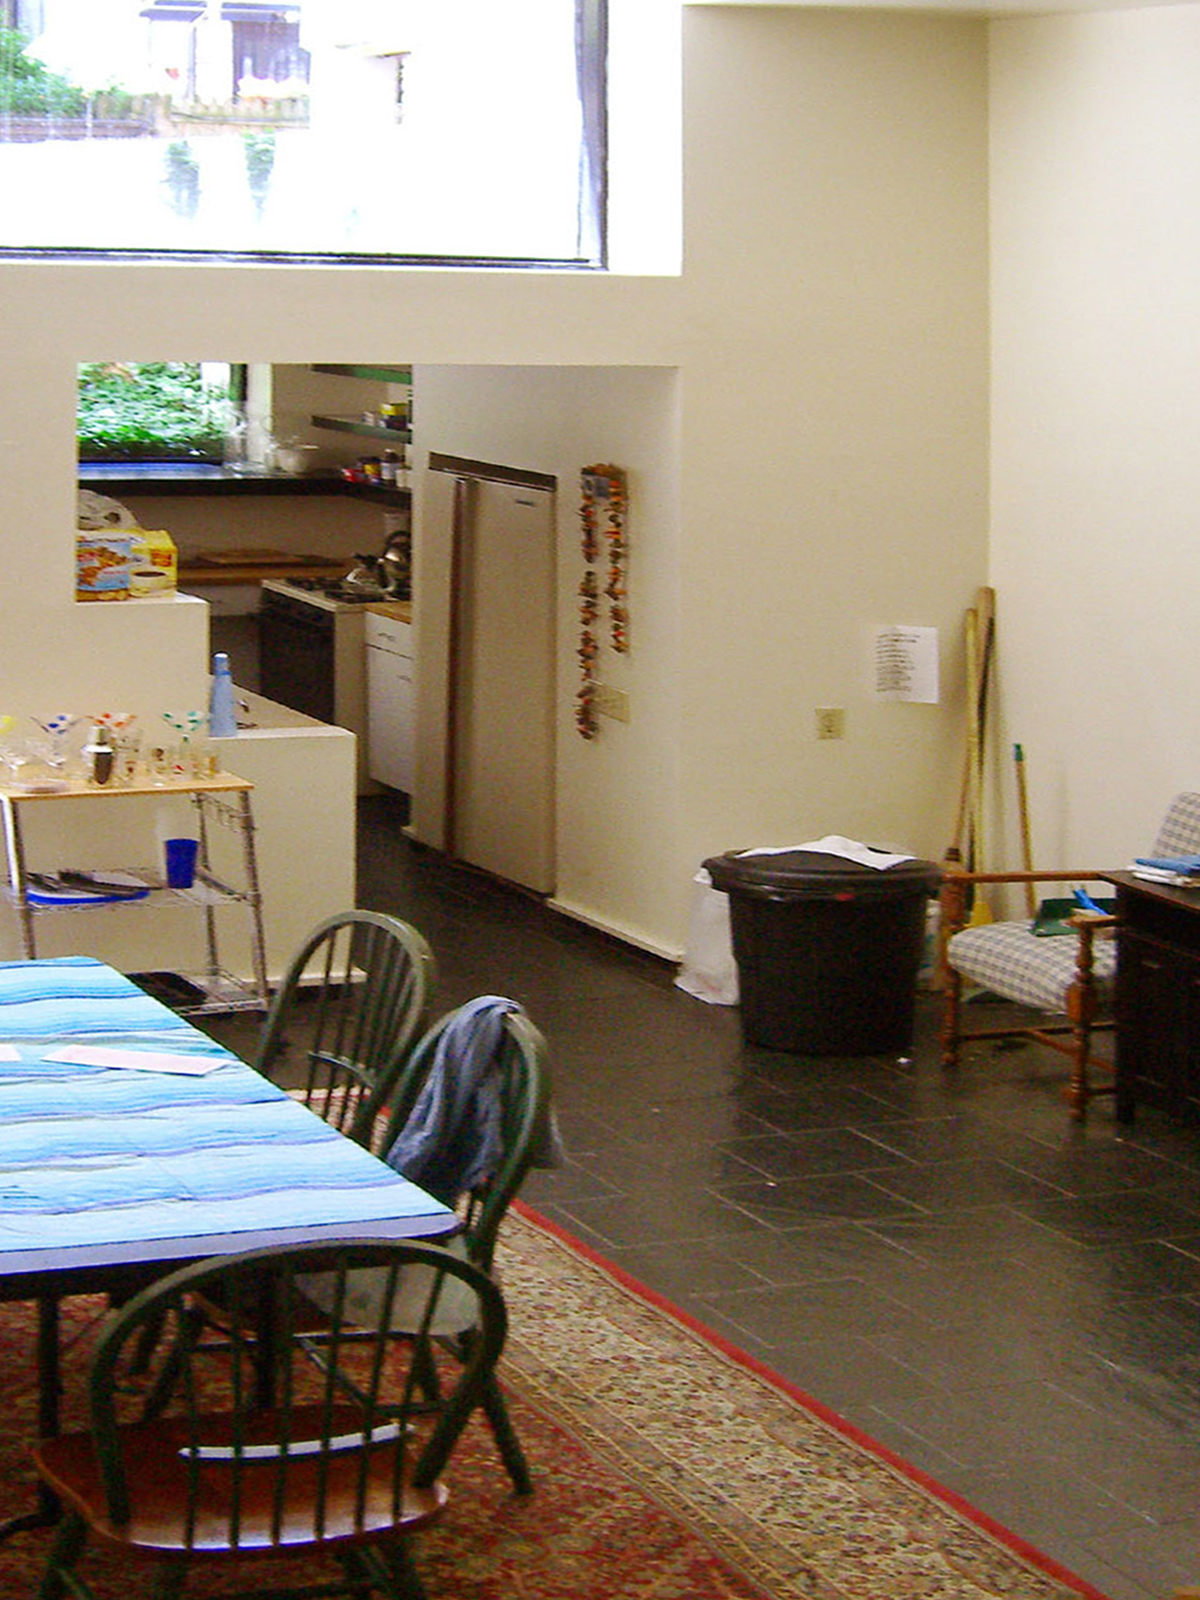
1010 1302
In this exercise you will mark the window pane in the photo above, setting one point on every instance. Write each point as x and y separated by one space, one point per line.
364 128
155 410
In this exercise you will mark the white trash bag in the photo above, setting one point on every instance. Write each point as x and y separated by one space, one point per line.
709 970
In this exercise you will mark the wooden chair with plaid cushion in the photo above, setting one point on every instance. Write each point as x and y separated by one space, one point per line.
1069 978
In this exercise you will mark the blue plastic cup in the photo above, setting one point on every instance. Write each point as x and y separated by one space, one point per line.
181 862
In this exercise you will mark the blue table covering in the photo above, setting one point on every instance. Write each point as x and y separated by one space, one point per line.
101 1155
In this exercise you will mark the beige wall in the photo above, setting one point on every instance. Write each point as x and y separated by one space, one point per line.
834 414
821 363
617 796
1096 471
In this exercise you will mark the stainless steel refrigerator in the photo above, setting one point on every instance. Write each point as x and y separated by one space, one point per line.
495 527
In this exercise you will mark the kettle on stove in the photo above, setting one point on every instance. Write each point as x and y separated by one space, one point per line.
363 579
394 567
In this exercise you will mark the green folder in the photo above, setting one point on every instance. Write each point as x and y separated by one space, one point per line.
1052 915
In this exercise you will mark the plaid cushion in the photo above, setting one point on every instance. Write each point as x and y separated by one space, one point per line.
1009 960
1180 831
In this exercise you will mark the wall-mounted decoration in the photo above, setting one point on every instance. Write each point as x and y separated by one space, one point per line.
603 495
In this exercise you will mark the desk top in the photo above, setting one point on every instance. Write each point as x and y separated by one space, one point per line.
103 1165
1179 896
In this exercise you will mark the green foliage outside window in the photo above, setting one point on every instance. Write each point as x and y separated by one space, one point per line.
150 411
29 89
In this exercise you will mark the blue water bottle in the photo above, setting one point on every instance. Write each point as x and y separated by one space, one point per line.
222 716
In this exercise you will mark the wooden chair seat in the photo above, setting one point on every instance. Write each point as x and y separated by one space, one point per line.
158 1458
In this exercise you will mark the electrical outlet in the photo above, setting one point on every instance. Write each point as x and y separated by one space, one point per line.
831 722
610 702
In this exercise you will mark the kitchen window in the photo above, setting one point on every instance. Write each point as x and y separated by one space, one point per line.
157 410
360 131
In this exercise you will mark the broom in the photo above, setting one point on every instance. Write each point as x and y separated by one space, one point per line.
1026 839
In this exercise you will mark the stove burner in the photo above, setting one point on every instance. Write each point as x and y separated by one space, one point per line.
334 589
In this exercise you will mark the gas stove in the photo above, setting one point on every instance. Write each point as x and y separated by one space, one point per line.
330 593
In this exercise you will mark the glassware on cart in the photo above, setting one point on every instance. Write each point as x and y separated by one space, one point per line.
59 748
187 752
126 742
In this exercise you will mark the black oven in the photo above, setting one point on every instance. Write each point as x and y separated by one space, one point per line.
296 651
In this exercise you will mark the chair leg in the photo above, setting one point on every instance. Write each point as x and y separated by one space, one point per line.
389 1568
509 1446
168 1580
69 1540
951 1016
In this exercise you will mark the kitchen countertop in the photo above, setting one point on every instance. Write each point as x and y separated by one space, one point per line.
117 478
397 610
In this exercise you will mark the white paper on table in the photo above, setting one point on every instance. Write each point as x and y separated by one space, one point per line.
96 1055
9 1052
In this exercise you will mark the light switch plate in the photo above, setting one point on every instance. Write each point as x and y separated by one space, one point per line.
610 702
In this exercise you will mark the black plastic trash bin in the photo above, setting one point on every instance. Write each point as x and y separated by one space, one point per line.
827 950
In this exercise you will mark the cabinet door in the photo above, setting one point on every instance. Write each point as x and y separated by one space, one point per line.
1157 1004
390 757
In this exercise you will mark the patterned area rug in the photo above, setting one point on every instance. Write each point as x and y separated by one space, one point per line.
667 1466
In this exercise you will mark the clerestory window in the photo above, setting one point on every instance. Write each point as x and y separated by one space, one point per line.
332 130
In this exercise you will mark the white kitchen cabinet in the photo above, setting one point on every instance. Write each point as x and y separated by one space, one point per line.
390 705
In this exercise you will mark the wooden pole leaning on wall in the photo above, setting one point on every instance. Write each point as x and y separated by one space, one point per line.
980 637
965 847
1026 836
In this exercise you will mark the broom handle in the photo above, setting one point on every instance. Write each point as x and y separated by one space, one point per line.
1026 840
984 614
974 857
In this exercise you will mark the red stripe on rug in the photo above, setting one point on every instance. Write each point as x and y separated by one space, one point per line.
832 1419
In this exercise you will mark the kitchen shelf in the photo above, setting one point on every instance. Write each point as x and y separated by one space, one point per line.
366 430
378 374
222 798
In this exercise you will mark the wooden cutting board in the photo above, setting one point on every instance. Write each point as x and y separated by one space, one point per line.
261 558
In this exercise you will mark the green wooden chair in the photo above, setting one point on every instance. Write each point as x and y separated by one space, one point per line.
352 1002
345 1459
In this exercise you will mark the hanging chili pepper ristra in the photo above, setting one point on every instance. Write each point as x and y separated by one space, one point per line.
603 486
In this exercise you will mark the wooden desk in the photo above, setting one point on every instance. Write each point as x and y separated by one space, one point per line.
1157 997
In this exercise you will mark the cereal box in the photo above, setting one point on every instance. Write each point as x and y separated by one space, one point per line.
102 564
154 551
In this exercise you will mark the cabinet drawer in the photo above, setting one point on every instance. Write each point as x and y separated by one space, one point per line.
385 633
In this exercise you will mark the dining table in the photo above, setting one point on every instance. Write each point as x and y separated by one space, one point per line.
131 1143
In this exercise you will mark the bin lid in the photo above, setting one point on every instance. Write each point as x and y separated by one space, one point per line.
784 874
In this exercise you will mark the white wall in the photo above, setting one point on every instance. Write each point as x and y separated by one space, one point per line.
1096 472
828 333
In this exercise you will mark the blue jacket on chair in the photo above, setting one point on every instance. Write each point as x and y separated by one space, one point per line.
454 1138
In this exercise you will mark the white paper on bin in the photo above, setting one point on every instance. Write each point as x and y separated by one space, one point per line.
834 844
